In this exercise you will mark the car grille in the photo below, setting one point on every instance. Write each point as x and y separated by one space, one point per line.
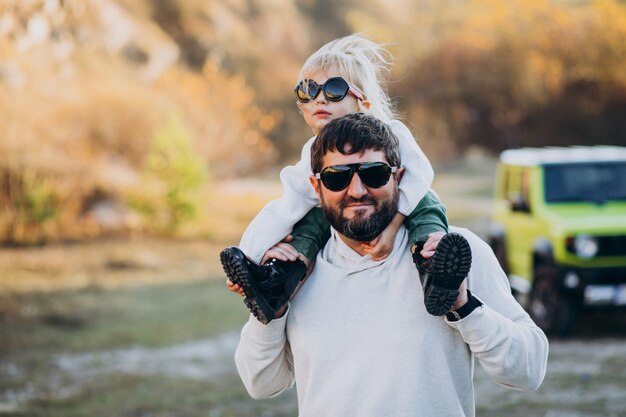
611 245
607 245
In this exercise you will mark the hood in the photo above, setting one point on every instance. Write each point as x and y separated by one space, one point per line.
597 219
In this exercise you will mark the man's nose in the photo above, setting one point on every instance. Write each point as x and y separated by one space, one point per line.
356 188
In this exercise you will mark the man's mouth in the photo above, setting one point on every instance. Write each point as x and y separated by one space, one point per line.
358 204
351 201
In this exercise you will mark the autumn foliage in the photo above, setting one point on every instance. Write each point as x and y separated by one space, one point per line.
114 115
525 73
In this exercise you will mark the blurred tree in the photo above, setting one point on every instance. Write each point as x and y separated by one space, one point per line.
525 73
180 20
84 84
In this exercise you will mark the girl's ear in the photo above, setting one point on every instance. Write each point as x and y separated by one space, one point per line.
365 104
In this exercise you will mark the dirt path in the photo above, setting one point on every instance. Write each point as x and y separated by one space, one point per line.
107 263
70 374
584 379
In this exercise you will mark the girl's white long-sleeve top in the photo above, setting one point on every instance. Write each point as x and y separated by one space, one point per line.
277 218
357 340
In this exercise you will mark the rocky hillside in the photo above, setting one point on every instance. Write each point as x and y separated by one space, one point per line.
102 110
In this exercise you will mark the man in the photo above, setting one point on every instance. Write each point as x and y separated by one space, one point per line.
357 339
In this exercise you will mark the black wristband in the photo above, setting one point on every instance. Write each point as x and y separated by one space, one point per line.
464 310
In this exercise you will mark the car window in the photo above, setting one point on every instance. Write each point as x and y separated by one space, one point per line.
517 188
596 182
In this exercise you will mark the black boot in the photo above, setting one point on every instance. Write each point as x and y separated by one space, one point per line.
268 287
443 273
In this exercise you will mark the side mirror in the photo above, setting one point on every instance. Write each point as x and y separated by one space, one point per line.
520 205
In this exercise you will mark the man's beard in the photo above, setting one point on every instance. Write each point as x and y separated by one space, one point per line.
363 228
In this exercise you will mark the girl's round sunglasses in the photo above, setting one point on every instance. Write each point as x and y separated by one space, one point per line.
335 89
372 174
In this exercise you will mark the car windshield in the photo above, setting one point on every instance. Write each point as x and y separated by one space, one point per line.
597 182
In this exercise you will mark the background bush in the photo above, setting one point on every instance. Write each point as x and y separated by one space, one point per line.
87 89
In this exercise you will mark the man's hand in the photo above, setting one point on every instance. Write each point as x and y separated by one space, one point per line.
429 250
462 298
285 252
431 244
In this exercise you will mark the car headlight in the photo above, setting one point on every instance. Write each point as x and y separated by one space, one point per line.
585 246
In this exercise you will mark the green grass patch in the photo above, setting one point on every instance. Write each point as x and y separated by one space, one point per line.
129 396
96 319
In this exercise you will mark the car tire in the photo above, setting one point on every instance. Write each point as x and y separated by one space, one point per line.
499 249
551 310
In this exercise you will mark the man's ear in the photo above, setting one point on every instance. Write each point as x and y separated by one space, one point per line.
399 174
315 184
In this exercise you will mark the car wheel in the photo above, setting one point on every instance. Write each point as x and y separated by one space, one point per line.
553 312
497 245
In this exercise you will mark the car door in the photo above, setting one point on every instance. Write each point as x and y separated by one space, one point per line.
521 227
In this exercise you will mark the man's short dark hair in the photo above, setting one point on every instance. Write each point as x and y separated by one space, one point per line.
355 133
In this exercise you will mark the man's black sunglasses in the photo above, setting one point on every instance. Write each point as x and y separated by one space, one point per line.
372 174
335 89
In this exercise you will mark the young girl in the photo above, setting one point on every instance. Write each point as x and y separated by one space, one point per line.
344 76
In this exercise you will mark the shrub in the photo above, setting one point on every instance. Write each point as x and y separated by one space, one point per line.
524 73
172 173
28 206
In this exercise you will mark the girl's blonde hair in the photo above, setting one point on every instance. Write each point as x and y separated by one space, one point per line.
364 64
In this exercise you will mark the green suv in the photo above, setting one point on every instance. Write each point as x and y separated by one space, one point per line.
559 230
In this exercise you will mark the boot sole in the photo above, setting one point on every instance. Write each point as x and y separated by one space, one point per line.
450 264
254 300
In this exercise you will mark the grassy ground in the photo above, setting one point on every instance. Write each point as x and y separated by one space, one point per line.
146 327
68 324
130 352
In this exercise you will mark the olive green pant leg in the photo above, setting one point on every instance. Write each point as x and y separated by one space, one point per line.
311 233
429 216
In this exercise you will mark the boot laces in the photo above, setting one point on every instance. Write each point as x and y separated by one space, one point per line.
271 282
